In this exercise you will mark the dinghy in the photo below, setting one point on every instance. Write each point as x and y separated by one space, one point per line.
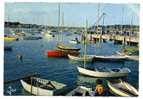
77 58
80 91
105 74
43 87
122 88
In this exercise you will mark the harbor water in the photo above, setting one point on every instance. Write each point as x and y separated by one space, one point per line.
63 70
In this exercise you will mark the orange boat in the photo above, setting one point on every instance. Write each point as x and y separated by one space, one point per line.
61 53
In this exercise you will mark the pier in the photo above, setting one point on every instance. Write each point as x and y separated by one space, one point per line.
119 39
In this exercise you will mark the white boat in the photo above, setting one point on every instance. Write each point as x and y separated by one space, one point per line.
81 59
73 42
43 87
76 41
81 91
48 35
95 73
105 74
122 88
111 58
129 57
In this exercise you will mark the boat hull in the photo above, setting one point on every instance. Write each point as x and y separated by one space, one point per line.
66 48
80 59
108 58
10 39
55 53
80 91
60 53
35 90
122 88
43 91
101 74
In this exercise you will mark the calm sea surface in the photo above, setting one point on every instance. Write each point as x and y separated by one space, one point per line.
63 70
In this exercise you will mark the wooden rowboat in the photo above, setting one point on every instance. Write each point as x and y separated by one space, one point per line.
105 74
122 88
43 87
81 59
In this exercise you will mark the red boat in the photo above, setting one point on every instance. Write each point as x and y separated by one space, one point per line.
55 53
61 53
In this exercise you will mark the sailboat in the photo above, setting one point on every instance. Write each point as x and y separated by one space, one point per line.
62 46
85 57
62 50
103 57
124 52
115 72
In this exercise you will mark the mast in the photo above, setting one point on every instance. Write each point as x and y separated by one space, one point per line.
85 41
103 23
59 13
131 29
122 29
98 15
62 25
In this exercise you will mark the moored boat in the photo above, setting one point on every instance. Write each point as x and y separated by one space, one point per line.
73 42
48 35
56 53
65 47
10 39
105 74
81 59
61 53
109 58
129 57
122 88
32 38
43 87
81 91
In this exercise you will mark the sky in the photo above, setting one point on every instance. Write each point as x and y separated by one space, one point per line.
74 14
